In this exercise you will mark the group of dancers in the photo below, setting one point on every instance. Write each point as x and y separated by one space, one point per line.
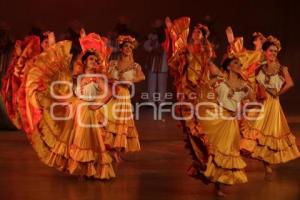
222 130
69 115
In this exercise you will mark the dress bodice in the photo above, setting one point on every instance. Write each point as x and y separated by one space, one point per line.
270 81
128 74
88 90
230 98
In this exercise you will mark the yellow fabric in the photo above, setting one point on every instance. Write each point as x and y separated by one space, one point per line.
269 138
121 130
222 139
82 147
225 176
219 137
194 86
179 33
246 57
225 164
65 145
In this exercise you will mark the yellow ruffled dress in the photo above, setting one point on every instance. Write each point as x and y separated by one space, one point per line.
269 138
122 133
225 164
61 133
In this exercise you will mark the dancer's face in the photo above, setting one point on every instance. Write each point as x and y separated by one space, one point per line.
197 34
271 53
91 64
126 49
235 66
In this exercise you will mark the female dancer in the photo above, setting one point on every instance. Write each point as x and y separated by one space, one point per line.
224 164
251 60
213 143
64 125
123 135
216 149
274 143
25 51
191 66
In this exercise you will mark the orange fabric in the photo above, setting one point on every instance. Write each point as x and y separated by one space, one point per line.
13 79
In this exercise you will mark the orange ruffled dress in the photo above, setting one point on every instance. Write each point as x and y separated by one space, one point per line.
190 68
121 130
61 133
269 138
14 77
224 163
213 144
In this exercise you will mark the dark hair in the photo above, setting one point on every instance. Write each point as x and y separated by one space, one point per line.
37 31
267 45
86 55
123 43
226 62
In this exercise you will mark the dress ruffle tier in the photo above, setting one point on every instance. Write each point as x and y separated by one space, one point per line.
269 138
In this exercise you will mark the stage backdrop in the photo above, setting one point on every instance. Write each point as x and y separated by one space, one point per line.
277 17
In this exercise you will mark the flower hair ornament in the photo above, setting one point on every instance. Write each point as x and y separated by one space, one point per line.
92 43
275 41
127 38
203 27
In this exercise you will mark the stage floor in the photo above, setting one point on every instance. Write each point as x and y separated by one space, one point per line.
158 172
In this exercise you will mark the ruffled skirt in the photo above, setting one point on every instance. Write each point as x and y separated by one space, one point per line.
269 137
77 148
120 127
216 149
74 144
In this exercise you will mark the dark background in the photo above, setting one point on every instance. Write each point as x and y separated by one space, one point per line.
279 18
